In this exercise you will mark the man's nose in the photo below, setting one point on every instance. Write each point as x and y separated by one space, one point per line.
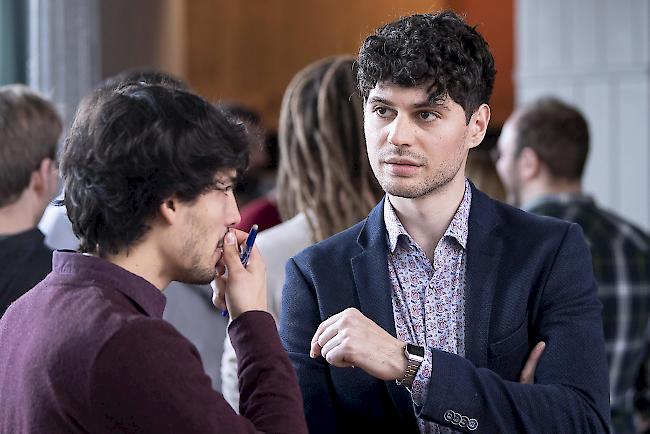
401 131
232 217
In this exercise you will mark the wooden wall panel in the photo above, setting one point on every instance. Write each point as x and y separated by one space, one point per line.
495 21
143 33
248 51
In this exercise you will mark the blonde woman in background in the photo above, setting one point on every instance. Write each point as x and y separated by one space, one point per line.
325 183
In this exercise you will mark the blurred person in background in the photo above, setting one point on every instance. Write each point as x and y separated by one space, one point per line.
541 157
29 132
325 183
148 177
255 193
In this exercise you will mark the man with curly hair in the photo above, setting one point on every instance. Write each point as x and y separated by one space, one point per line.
421 317
148 172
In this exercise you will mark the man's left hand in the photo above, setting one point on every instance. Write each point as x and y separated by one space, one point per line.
349 339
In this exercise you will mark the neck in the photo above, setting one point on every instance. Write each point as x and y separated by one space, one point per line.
20 216
426 218
545 187
144 261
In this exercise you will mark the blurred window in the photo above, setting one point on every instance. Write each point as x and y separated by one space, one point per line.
13 41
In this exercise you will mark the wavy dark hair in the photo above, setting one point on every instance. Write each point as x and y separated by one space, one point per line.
436 50
130 148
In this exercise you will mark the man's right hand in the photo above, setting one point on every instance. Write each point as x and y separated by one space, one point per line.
240 289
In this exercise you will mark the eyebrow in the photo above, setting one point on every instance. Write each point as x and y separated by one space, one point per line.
417 105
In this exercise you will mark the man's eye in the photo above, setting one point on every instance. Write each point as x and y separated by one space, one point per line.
428 116
381 111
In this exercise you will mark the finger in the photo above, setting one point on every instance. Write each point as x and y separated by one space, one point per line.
334 341
528 373
255 260
219 293
240 235
327 334
221 268
321 328
323 338
338 357
231 252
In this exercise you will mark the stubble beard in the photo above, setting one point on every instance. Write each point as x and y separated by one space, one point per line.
436 181
193 248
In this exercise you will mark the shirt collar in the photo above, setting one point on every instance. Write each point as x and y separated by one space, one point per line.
457 229
99 272
563 198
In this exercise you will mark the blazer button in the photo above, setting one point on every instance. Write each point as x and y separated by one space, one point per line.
472 424
449 415
456 419
464 421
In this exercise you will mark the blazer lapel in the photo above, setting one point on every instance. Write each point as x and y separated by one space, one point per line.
370 269
483 255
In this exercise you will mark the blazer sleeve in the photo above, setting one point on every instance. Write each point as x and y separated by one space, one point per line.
571 392
299 320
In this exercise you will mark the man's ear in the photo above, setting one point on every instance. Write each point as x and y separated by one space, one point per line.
528 164
478 124
169 210
44 179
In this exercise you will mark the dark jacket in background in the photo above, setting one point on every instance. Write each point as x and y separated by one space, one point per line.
24 261
87 350
620 255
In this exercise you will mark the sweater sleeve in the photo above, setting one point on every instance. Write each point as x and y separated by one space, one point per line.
149 378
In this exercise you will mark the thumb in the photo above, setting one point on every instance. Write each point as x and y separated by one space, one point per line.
231 253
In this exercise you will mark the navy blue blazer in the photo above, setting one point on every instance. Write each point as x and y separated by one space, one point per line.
528 278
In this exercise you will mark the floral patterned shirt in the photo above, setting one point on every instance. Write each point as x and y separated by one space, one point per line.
429 298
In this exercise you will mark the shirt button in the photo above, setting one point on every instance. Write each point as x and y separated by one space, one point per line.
472 424
449 415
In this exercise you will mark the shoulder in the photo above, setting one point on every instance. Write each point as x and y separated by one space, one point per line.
292 234
616 227
513 224
517 221
338 248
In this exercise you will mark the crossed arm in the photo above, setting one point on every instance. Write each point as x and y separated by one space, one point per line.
349 339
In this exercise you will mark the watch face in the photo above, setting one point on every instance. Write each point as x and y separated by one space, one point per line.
415 350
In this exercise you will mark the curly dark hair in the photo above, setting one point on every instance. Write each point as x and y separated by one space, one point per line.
436 50
130 148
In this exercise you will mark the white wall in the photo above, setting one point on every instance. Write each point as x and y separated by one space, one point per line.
595 54
63 55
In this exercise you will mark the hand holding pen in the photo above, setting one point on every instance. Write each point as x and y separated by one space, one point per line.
241 288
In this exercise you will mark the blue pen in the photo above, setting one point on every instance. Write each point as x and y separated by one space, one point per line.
245 254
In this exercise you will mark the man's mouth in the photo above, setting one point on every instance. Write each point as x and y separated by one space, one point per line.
402 166
401 161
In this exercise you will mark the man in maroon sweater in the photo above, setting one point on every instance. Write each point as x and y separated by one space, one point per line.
148 173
